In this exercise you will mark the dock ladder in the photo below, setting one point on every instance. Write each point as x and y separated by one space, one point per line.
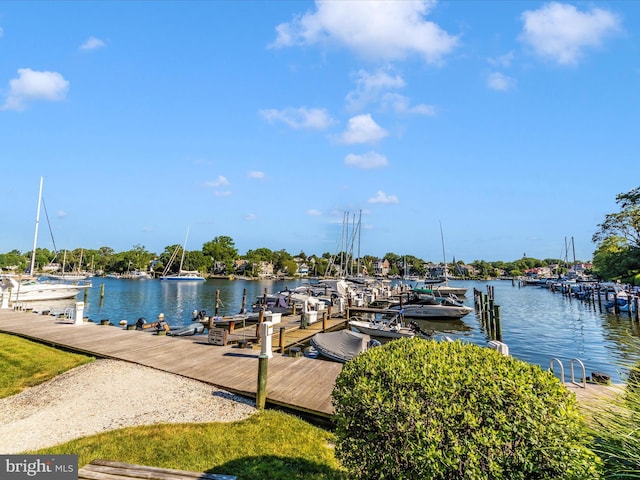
572 362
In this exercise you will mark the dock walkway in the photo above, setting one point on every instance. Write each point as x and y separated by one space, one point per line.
298 383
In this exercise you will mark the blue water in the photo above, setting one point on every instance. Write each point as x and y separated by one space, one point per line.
536 323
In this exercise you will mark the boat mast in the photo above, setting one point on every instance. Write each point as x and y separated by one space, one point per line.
35 236
444 256
184 249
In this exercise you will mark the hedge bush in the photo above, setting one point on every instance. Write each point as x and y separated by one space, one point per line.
420 409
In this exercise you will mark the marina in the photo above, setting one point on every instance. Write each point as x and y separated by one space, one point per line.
536 323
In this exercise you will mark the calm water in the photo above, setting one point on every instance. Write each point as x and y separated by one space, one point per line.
537 324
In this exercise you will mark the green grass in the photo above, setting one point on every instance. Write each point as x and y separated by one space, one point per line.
24 363
269 444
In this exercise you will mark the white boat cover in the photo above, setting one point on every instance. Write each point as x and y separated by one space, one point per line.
342 345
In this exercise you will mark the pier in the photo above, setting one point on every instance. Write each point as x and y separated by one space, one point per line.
297 383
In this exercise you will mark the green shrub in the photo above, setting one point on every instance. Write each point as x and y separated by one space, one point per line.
616 428
419 409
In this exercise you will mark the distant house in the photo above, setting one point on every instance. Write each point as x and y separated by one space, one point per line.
303 270
381 267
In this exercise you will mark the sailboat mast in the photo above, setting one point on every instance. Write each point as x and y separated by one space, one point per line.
184 249
444 256
35 235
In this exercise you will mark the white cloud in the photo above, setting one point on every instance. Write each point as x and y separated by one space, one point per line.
250 217
313 212
401 104
561 32
500 81
384 30
218 182
300 118
92 43
382 197
61 214
31 85
362 129
369 87
256 174
367 161
503 61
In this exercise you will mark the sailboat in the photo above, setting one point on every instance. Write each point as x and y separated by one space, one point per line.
444 289
30 289
182 275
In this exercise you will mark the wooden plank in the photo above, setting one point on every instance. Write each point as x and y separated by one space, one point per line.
109 470
297 383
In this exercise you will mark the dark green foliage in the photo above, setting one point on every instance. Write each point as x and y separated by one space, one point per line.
419 409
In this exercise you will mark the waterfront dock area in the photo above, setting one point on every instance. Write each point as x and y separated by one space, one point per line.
297 383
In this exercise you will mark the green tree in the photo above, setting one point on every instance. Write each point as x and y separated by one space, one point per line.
223 253
618 237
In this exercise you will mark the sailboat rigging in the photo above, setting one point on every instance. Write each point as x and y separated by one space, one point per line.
182 275
29 289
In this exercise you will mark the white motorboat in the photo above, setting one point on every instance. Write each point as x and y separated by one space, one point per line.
434 308
385 327
34 290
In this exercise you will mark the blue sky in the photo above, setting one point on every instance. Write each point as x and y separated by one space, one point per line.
513 124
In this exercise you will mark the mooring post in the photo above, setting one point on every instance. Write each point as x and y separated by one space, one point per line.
243 308
261 393
496 314
217 302
281 339
102 290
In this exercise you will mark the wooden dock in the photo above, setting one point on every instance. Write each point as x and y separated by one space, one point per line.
297 383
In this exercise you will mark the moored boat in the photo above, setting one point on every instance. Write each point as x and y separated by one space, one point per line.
342 345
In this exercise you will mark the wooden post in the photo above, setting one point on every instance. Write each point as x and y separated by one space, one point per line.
329 311
102 290
232 325
496 315
324 321
261 393
243 307
281 341
261 315
217 302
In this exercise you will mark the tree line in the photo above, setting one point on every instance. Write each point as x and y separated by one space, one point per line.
617 257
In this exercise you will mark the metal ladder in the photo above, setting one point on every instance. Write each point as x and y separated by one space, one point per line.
572 363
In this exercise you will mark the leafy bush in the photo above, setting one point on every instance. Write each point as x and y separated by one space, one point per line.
416 408
616 428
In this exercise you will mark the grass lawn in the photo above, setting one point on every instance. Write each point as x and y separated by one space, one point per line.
270 444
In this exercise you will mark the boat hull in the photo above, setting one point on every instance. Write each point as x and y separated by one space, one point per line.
45 292
379 329
436 311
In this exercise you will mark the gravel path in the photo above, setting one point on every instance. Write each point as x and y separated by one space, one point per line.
107 395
